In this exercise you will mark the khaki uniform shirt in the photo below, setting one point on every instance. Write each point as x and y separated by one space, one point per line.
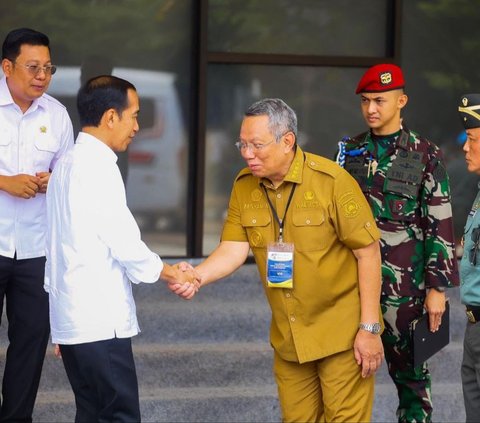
327 218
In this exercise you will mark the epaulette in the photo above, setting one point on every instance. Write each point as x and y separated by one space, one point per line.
244 172
322 164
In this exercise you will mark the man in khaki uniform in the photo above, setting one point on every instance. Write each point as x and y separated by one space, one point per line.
316 246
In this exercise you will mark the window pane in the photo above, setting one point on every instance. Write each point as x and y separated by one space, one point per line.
323 98
435 82
150 46
313 27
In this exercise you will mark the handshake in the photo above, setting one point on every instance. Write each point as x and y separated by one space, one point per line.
182 279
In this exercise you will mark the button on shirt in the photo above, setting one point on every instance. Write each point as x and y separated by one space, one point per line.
30 142
93 248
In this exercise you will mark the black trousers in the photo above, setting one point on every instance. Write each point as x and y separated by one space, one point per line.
104 380
21 284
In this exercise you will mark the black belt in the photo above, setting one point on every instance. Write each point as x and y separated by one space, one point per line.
473 313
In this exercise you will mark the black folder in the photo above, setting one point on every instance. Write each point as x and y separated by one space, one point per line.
426 343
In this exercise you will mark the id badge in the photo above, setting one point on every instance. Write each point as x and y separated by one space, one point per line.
280 265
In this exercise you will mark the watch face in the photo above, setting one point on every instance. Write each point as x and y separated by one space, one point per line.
376 328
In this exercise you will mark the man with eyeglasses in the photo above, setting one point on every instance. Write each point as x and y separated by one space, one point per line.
315 243
469 111
35 130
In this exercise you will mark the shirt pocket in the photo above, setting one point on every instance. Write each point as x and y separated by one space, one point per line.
6 153
310 230
258 228
45 149
5 137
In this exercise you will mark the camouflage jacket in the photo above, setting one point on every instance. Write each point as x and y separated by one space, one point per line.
405 181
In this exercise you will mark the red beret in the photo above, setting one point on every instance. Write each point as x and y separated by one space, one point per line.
380 78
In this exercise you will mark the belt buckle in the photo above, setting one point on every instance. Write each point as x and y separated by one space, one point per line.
471 317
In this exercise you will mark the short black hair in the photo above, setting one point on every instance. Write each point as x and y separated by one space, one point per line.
100 94
18 37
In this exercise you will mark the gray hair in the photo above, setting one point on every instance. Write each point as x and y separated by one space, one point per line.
281 117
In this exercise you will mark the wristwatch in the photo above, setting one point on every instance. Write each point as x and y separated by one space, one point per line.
371 327
439 288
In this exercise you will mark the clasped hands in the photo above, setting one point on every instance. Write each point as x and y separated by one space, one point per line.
185 281
27 186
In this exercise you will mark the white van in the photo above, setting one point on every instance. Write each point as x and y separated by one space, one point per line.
157 162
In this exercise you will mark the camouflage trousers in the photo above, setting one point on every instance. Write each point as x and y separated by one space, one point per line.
413 383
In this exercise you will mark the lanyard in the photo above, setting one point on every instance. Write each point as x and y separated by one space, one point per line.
280 221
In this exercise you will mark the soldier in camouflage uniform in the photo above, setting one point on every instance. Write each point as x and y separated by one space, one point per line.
404 179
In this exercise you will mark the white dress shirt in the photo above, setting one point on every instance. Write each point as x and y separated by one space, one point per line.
93 248
30 142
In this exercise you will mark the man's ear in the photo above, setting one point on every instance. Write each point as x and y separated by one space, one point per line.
7 67
109 117
402 101
289 140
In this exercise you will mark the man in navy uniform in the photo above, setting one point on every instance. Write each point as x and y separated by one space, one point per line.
469 111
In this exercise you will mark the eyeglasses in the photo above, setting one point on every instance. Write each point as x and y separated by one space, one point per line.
34 70
251 146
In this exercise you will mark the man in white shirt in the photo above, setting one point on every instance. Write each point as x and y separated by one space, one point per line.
94 250
35 130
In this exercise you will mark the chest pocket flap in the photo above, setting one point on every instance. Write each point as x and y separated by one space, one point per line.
311 231
257 225
308 218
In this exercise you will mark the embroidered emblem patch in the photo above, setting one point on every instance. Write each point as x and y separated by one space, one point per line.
256 195
309 196
351 208
255 238
398 205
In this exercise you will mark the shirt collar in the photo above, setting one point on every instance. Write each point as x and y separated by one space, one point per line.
295 171
400 141
93 142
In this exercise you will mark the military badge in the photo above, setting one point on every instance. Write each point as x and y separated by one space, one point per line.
398 205
385 78
43 129
465 101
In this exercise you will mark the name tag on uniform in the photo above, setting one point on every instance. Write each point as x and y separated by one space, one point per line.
280 265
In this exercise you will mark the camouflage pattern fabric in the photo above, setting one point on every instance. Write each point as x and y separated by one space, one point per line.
404 179
413 383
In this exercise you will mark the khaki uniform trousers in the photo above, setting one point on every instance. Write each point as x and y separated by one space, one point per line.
327 390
